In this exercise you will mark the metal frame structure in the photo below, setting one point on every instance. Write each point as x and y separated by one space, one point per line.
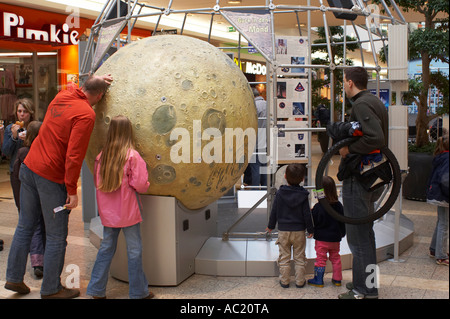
137 9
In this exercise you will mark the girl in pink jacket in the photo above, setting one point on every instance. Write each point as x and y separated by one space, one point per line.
120 174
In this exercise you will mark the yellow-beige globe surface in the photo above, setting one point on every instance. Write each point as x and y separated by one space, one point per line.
193 115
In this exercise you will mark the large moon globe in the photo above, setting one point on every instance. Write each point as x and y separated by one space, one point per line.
193 114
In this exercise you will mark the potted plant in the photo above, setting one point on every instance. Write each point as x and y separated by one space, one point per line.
420 165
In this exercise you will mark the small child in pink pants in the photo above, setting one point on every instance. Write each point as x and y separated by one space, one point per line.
328 234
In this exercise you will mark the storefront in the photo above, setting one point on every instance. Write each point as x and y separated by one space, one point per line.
255 72
38 56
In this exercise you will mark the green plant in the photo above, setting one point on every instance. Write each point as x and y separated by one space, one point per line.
427 43
337 53
427 148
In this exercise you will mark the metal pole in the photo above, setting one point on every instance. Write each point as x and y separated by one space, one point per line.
308 14
225 234
271 178
345 63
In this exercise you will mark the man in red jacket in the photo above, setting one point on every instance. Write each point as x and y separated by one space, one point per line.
49 177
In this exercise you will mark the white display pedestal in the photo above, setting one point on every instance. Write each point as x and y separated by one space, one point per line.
172 236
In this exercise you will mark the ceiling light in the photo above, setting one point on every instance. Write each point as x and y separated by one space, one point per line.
26 54
234 1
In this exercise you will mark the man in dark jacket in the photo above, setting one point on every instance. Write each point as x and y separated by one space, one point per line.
292 212
370 112
323 118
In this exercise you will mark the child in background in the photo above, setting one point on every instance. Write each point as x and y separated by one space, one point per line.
120 174
292 212
437 194
37 246
328 234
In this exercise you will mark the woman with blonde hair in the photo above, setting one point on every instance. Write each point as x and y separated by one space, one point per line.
37 247
15 135
120 174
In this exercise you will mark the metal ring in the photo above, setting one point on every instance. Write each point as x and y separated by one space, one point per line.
396 183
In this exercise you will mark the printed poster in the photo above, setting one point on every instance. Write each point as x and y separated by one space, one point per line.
292 97
292 146
292 50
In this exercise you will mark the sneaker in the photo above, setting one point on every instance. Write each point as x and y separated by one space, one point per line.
19 287
39 272
352 295
442 262
64 293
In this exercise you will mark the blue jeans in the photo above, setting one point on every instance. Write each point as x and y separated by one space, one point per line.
440 235
100 273
35 192
258 170
359 203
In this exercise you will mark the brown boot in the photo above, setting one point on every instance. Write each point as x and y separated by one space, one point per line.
150 295
64 293
18 287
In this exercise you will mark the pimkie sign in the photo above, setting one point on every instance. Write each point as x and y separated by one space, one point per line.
15 27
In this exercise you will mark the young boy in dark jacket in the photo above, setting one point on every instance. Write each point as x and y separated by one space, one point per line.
328 233
292 212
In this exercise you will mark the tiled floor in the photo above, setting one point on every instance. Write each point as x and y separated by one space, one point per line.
417 276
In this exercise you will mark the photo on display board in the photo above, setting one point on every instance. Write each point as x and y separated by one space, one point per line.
292 50
298 60
292 145
291 98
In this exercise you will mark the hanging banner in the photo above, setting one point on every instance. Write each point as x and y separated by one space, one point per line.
256 27
108 34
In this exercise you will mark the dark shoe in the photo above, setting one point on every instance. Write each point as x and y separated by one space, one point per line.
432 253
301 286
150 295
352 295
337 283
19 287
1 244
64 293
39 271
284 285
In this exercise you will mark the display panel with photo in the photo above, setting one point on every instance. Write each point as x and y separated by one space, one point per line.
292 96
292 50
